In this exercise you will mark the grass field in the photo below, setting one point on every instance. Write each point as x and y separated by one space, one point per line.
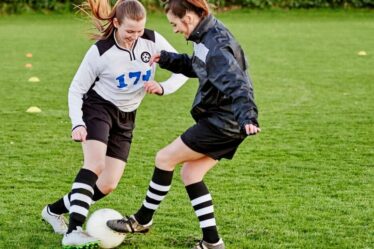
307 181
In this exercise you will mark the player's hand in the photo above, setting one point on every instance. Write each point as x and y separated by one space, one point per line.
153 87
79 134
251 129
154 58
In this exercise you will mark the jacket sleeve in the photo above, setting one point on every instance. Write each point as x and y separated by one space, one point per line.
225 73
177 63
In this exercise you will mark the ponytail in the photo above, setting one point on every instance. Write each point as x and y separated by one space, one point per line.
103 14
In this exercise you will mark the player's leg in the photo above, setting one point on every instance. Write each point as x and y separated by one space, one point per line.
118 149
82 191
107 182
110 177
166 160
192 174
193 171
53 213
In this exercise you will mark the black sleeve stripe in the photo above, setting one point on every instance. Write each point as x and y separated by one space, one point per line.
105 45
149 35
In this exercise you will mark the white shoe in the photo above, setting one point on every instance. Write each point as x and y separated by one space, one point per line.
79 239
58 222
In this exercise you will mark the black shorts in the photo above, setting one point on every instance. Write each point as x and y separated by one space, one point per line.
210 141
106 123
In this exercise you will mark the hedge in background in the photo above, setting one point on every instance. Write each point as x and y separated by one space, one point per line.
22 6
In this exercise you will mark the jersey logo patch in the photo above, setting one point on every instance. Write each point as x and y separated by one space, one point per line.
146 57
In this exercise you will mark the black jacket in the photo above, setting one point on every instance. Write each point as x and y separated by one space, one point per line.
225 94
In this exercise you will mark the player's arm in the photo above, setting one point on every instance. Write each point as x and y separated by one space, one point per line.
81 83
177 63
225 73
175 81
182 63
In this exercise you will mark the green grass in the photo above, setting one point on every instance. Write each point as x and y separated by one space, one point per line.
306 181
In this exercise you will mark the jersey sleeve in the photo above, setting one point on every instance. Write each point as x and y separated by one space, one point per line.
175 81
86 75
163 44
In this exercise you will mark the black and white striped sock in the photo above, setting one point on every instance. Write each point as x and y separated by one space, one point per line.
81 198
62 205
158 189
201 201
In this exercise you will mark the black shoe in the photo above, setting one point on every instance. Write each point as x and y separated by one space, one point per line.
128 225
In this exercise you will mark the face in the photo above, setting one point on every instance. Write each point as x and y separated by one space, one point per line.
179 24
129 30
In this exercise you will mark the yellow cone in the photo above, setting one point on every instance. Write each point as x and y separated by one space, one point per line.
34 79
362 53
33 109
28 65
29 55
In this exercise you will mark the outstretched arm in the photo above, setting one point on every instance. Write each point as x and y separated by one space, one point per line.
175 81
176 63
169 86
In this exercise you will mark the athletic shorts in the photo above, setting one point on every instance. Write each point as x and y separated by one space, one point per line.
210 141
107 124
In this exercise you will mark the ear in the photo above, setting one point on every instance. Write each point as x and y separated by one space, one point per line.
188 18
115 23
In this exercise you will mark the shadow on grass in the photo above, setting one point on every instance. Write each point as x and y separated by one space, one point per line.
137 241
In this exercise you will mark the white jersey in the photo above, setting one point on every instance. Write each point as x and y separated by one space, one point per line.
118 74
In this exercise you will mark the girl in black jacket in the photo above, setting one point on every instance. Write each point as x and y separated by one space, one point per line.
223 108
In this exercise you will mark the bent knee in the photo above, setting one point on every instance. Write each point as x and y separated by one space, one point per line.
185 175
96 166
164 160
189 175
108 188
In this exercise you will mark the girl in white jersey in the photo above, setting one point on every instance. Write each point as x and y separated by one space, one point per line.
108 87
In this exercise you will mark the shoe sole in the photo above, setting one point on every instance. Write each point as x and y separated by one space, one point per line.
130 232
144 231
91 245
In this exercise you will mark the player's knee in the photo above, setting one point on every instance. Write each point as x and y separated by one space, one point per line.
108 188
188 175
95 166
164 161
184 174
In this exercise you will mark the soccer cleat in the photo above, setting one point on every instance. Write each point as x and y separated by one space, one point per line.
128 225
57 221
78 239
205 245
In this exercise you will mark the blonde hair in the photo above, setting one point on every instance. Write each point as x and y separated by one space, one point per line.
103 14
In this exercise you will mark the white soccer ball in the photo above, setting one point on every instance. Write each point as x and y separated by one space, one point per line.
97 228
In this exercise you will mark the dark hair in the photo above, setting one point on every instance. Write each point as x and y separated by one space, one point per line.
103 14
180 7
